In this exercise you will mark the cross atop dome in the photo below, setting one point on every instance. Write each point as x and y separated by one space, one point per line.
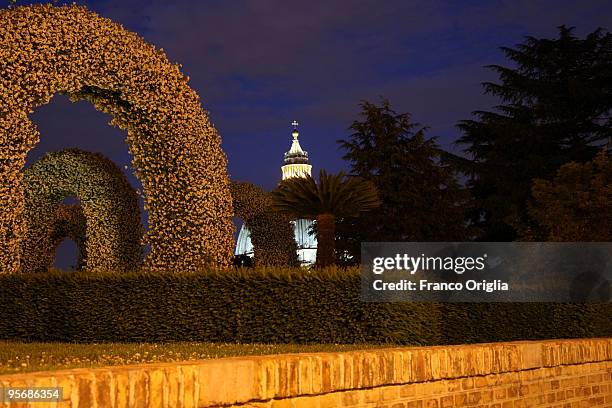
295 132
296 159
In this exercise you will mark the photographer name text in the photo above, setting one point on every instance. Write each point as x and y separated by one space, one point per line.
432 286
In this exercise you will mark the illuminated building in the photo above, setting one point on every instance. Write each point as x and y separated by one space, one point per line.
296 164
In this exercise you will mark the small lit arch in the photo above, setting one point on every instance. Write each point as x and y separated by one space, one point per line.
106 225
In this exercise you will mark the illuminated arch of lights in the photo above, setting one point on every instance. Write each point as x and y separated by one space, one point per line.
177 156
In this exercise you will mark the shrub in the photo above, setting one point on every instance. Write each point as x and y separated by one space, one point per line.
70 223
109 205
271 233
264 306
486 322
269 305
176 150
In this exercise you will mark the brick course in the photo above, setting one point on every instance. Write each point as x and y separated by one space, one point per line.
555 373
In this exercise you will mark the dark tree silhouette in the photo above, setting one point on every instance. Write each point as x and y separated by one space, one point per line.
421 197
556 108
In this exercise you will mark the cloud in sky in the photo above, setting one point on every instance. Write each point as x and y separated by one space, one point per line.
257 65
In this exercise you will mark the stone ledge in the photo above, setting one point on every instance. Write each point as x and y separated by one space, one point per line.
238 380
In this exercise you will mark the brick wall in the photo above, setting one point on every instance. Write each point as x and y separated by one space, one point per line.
559 373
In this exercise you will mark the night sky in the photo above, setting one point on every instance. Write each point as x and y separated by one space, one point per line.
257 65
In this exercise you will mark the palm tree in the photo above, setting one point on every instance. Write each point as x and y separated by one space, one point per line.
336 195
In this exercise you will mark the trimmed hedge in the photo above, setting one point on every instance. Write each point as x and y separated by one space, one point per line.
177 155
112 234
262 306
71 223
486 322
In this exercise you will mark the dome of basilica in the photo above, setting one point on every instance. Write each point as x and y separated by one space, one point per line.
295 164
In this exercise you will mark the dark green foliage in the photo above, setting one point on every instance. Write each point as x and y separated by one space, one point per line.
243 261
271 232
334 196
575 206
556 108
262 306
273 306
421 197
486 322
